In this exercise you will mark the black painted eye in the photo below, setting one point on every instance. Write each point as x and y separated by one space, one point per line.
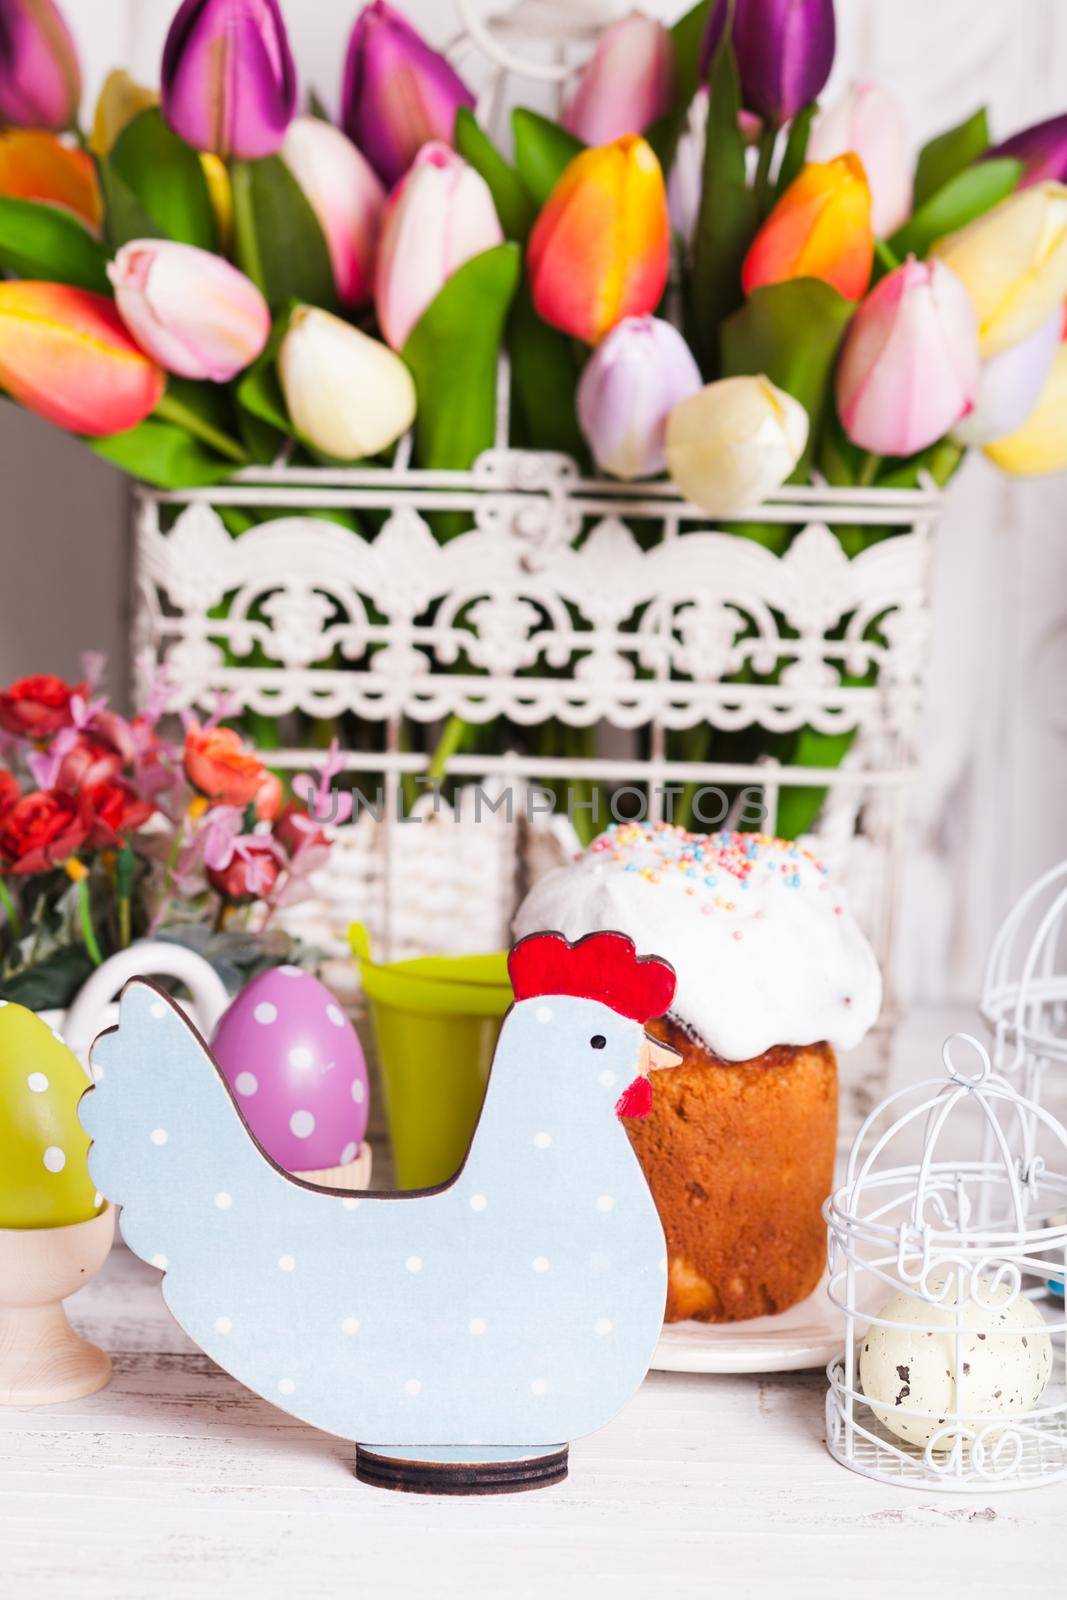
598 1041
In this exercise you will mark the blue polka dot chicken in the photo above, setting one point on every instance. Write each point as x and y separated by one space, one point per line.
463 1335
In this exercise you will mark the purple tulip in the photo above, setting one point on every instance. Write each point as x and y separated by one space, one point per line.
1042 150
398 94
784 50
631 384
40 84
229 83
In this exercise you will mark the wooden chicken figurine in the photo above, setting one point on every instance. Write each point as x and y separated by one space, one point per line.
460 1335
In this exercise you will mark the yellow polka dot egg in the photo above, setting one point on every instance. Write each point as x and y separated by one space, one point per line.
44 1177
1003 1364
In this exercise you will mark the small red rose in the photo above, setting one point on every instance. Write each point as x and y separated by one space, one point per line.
88 761
9 791
295 829
115 809
41 830
252 873
37 707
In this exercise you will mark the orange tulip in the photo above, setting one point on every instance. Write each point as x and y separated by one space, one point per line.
600 249
820 228
65 354
38 166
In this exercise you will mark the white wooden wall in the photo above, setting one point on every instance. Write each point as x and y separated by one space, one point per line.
995 752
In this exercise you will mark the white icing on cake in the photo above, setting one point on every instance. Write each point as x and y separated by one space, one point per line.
764 947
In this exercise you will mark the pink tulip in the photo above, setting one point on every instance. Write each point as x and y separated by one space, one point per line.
631 384
627 85
190 310
438 216
909 368
347 197
870 123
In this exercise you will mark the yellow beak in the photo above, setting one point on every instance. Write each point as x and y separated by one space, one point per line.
655 1056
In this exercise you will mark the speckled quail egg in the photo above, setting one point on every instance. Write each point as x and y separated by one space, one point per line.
906 1368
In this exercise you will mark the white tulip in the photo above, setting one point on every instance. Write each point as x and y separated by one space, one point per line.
733 442
348 395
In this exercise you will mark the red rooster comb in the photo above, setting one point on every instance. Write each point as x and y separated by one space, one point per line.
602 966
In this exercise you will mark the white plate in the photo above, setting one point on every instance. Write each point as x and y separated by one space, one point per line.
807 1335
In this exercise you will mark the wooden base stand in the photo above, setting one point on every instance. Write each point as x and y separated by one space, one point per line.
509 1472
42 1359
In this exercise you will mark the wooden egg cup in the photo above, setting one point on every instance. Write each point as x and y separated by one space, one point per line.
42 1359
353 1175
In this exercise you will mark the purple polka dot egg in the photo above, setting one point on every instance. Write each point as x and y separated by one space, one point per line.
296 1068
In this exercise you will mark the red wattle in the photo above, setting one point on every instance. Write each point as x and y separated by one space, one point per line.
636 1101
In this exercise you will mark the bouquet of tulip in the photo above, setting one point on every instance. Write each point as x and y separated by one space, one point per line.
205 281
109 831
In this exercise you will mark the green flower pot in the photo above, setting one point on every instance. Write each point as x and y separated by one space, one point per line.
436 1021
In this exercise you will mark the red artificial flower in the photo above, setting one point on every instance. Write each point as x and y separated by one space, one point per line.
220 765
89 761
115 809
268 798
41 830
9 791
295 829
253 871
37 707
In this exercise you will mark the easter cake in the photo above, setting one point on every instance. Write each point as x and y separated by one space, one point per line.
774 976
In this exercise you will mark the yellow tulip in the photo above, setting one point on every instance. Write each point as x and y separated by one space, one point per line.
1040 445
1013 264
121 99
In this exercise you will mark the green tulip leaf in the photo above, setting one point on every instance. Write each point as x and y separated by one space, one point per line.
939 461
277 238
510 195
942 158
43 241
544 377
452 352
791 332
166 179
796 148
542 151
259 389
687 36
966 196
164 455
124 216
839 460
728 216
798 808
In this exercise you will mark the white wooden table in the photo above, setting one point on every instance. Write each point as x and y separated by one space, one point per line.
177 1482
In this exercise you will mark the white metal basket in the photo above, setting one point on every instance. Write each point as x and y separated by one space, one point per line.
547 606
970 1240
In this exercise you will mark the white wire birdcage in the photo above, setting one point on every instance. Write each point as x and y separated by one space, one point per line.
1024 990
942 1260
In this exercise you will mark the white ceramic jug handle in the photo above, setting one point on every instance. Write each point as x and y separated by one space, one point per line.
151 958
